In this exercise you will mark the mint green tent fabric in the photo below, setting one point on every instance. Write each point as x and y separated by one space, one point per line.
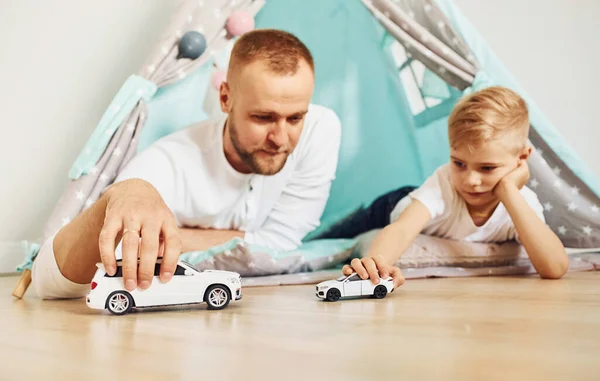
176 106
134 89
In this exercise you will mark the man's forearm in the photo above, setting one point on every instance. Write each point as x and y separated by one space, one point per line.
203 239
76 244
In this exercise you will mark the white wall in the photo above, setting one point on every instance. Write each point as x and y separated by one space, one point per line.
62 61
552 48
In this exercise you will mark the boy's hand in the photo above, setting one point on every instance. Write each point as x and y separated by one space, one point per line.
373 268
517 177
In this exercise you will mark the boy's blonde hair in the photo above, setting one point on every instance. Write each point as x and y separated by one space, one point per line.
492 114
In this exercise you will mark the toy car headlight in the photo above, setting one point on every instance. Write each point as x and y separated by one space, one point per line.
233 280
323 287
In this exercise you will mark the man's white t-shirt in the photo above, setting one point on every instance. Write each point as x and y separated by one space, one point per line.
191 173
450 217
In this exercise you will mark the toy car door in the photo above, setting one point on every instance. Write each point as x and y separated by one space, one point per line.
368 288
158 294
352 286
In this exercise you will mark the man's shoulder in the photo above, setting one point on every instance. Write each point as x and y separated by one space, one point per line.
321 126
323 117
198 136
319 113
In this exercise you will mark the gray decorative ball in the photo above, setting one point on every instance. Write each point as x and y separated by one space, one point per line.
192 45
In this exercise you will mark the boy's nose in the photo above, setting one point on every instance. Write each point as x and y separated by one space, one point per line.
473 179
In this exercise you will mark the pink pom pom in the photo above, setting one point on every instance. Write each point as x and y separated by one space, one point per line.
218 77
239 23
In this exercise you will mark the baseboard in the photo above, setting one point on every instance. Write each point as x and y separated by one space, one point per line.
571 250
11 256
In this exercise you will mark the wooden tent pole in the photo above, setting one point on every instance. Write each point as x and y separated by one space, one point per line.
23 284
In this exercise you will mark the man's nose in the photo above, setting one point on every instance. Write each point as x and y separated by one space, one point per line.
278 135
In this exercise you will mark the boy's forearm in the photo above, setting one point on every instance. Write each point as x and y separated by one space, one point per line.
390 244
395 238
544 248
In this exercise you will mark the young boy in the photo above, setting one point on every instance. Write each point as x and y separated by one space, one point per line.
479 196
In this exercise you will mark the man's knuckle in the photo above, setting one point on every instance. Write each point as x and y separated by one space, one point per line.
172 236
103 236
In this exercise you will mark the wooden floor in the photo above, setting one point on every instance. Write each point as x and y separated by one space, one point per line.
431 329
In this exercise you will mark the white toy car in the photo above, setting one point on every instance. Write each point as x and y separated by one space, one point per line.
187 286
353 285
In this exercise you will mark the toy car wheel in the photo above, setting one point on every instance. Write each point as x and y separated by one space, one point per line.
217 297
333 295
119 302
380 292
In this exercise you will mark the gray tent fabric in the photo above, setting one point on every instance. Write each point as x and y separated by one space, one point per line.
426 257
427 36
163 68
571 209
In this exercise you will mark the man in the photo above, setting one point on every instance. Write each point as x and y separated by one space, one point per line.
263 173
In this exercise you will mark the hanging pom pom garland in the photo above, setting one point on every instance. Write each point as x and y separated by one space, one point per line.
240 22
218 77
192 45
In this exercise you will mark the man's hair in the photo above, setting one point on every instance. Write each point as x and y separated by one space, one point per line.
281 51
492 114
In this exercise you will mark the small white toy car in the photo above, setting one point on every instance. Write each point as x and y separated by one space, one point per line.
187 286
353 285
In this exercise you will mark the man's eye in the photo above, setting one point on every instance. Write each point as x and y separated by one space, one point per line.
295 119
262 118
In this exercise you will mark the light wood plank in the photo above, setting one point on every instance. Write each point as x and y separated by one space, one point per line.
504 328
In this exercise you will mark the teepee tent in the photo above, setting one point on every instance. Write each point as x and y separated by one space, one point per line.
391 69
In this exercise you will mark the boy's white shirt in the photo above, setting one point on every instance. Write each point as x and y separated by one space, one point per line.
450 217
191 173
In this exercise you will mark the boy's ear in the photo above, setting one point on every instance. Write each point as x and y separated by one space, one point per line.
524 155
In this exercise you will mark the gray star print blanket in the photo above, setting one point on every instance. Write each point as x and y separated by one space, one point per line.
427 257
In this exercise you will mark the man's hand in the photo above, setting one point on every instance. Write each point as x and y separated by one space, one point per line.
373 268
518 177
136 212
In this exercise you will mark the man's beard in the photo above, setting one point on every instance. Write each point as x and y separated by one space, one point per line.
267 166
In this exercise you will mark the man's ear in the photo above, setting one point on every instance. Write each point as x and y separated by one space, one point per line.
225 97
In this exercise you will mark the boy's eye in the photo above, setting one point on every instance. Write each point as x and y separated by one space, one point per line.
458 164
488 168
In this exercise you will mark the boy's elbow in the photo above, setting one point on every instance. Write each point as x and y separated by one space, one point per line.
557 270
